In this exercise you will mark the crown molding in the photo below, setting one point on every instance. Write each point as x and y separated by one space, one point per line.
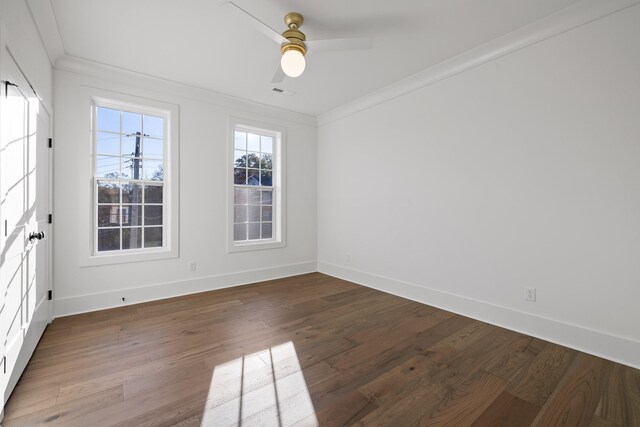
157 84
548 27
45 21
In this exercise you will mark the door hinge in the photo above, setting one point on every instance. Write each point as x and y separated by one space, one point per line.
6 87
50 142
50 218
50 294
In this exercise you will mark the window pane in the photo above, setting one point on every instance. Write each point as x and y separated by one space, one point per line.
240 232
153 193
240 140
267 144
253 166
253 142
266 161
108 216
131 123
267 197
240 213
131 215
153 148
240 196
131 146
267 230
266 213
131 193
254 231
265 178
152 237
240 176
131 168
152 215
253 177
108 143
132 238
109 239
254 197
153 126
107 167
254 213
240 159
253 160
108 192
153 170
108 119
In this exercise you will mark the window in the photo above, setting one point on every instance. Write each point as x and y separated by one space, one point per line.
130 185
257 194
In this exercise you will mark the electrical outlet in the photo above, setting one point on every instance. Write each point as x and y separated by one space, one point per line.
192 266
530 294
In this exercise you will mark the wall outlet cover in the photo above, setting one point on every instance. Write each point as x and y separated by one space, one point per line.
530 294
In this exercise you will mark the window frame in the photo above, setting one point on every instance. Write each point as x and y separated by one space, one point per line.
170 114
278 133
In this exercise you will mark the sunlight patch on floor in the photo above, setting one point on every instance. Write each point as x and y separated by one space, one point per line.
266 388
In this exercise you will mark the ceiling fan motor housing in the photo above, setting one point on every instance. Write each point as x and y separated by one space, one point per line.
295 37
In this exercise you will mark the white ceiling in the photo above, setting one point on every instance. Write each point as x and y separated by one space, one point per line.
202 44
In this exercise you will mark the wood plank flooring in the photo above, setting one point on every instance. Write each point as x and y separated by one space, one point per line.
310 350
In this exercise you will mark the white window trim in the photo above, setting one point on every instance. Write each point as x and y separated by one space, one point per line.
89 256
279 185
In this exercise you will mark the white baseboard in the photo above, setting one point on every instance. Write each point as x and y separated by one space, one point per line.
100 301
615 348
611 347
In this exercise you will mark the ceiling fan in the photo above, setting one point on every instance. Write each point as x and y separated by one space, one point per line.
294 44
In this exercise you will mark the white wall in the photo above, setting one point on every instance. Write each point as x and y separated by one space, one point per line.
26 47
203 195
524 171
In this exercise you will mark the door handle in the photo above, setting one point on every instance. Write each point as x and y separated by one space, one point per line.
33 236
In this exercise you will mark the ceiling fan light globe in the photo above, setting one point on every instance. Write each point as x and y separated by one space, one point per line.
292 63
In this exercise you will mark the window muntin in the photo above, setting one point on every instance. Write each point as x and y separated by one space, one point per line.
254 191
130 187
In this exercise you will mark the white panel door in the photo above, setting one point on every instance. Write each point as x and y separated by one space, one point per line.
24 210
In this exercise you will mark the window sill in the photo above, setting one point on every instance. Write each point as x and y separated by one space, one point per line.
254 246
122 258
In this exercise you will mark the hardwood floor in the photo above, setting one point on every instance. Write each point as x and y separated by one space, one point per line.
310 350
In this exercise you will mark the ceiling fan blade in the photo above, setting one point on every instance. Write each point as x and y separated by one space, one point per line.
255 22
331 45
279 76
